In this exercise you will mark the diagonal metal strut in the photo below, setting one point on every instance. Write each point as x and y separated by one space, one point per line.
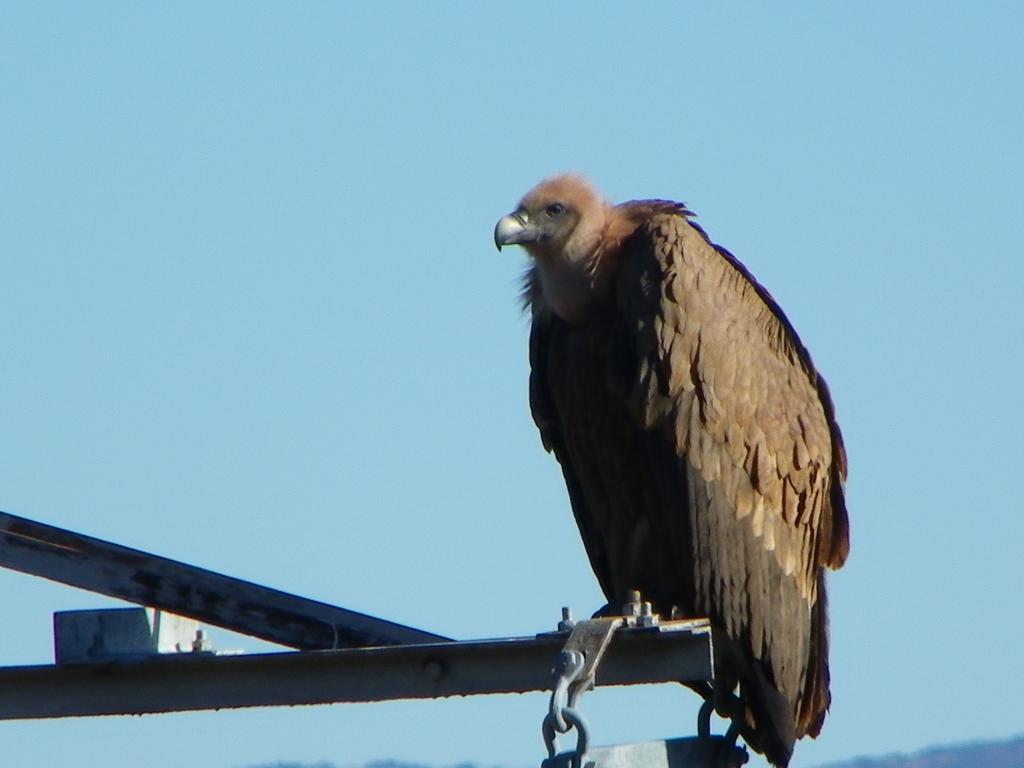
242 606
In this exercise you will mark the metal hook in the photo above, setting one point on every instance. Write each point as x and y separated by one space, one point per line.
704 719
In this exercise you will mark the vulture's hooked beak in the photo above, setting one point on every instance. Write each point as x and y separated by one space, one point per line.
514 229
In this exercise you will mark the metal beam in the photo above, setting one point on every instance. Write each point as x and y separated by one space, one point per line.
149 580
676 651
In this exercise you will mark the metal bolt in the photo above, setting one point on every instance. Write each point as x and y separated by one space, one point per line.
632 608
201 643
434 670
567 622
647 616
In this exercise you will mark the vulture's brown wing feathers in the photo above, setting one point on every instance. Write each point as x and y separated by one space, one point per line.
703 463
547 337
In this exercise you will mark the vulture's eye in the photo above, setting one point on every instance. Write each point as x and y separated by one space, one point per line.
555 209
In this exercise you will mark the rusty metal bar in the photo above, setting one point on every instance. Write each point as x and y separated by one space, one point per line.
675 651
150 580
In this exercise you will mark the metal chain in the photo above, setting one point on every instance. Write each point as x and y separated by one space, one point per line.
562 715
576 671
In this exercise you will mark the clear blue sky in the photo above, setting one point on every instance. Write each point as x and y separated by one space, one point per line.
254 320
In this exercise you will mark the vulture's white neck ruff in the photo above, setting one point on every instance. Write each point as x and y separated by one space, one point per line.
572 279
568 289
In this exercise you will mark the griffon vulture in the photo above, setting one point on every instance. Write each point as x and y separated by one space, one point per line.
699 444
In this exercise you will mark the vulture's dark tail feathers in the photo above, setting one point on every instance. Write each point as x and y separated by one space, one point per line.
764 715
768 724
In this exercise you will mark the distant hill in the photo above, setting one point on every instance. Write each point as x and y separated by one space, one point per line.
988 754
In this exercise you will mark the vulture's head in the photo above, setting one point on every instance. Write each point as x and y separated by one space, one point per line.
561 218
562 223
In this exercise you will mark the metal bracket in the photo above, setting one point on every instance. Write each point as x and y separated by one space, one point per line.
589 638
